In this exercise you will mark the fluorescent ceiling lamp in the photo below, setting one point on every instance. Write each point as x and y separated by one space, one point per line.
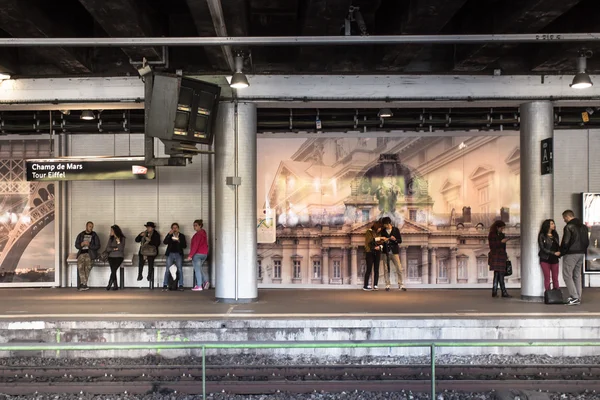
87 115
4 76
385 113
581 80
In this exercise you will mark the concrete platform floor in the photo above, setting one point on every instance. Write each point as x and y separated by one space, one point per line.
132 304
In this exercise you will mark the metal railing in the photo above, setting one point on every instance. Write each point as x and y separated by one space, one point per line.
203 346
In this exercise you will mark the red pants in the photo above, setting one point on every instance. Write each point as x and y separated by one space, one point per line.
547 269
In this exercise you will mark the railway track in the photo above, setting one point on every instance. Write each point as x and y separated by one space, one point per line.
238 379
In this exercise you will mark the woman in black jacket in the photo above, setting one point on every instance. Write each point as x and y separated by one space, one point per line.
549 252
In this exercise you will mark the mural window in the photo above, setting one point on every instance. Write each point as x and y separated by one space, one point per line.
337 269
463 268
259 269
297 270
365 215
277 269
412 215
484 200
317 269
443 270
413 270
482 268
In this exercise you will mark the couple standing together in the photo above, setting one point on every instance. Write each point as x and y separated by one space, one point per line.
572 249
383 239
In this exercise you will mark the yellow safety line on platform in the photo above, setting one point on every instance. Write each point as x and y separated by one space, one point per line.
302 315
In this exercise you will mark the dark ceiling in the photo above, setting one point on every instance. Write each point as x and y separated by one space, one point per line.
129 18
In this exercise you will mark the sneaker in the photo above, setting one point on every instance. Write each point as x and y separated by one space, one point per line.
375 287
206 285
368 288
165 289
402 288
84 287
574 302
387 288
180 288
196 289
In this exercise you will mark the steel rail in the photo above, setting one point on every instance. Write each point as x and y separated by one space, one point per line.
300 40
432 345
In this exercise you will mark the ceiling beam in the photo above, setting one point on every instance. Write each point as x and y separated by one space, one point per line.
123 18
561 57
422 17
321 18
23 19
519 17
208 25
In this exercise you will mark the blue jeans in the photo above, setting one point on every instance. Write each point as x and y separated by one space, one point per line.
174 258
198 260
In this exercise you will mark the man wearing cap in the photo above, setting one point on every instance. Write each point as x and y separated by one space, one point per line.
149 236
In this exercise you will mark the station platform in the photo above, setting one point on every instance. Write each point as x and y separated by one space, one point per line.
141 315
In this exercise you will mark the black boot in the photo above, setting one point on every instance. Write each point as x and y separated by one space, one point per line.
140 270
495 285
502 286
115 284
110 283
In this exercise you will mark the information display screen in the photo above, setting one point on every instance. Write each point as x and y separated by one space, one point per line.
88 169
591 218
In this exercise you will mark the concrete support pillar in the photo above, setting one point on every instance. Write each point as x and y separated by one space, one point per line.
353 266
235 203
425 264
537 123
434 271
63 217
325 254
453 273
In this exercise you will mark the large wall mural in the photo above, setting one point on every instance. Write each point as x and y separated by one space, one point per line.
27 233
442 192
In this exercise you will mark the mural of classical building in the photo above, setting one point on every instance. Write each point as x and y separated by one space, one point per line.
442 192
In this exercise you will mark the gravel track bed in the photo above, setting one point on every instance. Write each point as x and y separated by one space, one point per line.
258 360
316 396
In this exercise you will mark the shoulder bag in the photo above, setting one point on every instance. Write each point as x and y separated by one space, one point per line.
148 249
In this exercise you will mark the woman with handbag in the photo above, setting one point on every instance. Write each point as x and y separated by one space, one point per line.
549 252
497 257
115 252
149 241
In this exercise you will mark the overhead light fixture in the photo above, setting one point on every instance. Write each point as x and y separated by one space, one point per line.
88 115
239 79
4 76
385 113
582 80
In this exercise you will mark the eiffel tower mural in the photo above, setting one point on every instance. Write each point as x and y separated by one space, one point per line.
26 208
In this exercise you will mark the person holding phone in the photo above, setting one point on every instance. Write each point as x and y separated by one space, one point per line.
175 241
497 257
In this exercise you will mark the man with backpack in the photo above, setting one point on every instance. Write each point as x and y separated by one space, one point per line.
573 248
